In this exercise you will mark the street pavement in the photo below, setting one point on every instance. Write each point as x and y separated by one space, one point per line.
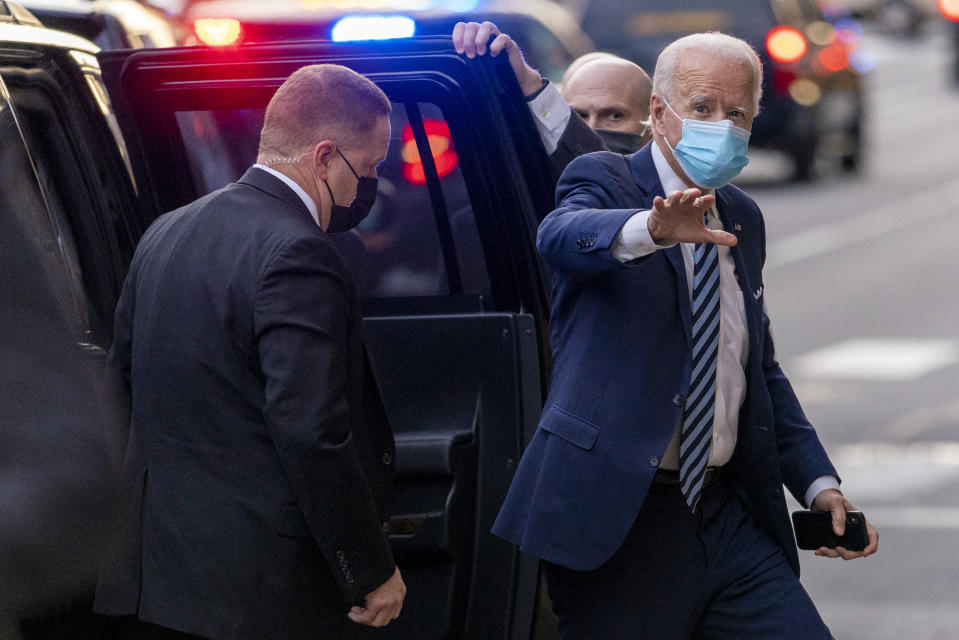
862 285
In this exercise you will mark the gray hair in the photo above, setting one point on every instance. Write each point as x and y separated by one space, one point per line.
717 44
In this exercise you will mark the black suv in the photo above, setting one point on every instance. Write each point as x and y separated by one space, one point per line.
454 293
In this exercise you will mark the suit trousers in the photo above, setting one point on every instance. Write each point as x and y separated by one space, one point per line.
712 574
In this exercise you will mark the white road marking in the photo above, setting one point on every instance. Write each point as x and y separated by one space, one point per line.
891 482
887 474
871 223
878 359
924 419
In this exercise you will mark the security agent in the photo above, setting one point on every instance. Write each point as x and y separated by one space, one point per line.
259 463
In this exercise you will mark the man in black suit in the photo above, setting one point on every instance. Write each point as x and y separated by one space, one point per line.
259 457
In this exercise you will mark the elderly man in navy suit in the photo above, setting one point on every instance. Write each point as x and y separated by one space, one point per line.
259 458
653 487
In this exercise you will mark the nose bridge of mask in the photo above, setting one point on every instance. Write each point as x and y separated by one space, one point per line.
711 126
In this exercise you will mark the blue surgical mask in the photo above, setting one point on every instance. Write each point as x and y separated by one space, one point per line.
711 153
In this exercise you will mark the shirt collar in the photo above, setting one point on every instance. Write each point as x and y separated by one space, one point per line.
670 181
297 189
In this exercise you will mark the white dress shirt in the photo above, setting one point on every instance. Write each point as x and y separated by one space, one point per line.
297 189
551 114
634 242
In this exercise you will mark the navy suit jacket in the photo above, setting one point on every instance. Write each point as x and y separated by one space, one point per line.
259 456
620 338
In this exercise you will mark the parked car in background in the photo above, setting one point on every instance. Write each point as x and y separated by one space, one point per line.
896 17
453 292
813 100
110 24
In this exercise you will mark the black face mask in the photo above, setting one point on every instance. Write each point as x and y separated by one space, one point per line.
620 141
344 218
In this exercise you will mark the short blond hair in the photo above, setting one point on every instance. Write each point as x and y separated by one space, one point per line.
321 102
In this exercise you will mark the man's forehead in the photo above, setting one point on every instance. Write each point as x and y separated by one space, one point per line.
704 82
606 87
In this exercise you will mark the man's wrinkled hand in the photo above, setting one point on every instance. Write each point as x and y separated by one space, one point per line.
833 501
470 38
383 605
679 218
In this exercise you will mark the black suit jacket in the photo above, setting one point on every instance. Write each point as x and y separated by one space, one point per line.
577 139
259 457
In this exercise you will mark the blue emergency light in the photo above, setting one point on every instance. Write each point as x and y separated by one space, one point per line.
366 27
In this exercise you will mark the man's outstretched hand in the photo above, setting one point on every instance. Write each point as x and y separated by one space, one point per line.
470 38
679 218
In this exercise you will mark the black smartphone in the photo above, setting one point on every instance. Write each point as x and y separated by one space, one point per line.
814 530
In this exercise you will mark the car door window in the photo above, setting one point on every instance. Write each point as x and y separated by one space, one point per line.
79 162
420 240
22 198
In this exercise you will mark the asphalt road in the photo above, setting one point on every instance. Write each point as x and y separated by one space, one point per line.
862 285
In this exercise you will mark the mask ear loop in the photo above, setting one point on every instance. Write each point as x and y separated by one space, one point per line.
355 175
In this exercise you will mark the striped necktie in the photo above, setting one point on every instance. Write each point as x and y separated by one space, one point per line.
700 401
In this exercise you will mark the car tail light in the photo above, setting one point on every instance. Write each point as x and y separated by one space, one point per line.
949 9
786 44
217 32
441 146
833 58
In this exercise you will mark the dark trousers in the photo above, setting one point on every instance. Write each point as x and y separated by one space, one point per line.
710 575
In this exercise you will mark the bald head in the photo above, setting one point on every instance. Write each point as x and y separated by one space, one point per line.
609 92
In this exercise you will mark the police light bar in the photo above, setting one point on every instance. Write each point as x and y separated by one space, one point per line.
351 28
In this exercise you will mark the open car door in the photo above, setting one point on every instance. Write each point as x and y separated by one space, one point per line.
453 291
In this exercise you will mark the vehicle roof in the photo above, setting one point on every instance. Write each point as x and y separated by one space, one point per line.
277 11
11 31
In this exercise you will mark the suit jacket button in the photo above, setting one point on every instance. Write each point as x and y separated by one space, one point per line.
678 400
387 459
653 461
349 578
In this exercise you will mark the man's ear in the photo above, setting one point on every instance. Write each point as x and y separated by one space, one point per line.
323 154
656 109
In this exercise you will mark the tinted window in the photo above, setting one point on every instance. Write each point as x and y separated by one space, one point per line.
22 200
420 240
70 155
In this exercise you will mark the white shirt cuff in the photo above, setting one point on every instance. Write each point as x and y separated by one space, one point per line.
820 484
551 115
633 240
